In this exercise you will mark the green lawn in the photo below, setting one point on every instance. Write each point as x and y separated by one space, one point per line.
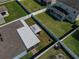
77 22
53 52
43 37
73 42
31 5
56 27
15 11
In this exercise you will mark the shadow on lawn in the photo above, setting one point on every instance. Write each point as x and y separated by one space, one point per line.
73 28
41 3
54 18
76 35
65 20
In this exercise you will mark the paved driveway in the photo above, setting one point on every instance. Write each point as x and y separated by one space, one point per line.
12 44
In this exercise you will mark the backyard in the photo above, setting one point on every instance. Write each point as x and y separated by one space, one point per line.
43 37
15 11
31 5
59 28
73 42
51 53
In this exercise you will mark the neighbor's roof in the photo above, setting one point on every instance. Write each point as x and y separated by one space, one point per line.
72 3
28 37
3 8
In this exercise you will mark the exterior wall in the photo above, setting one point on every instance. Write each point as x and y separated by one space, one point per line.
72 12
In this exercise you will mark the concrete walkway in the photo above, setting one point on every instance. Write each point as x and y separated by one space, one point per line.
39 11
23 22
20 55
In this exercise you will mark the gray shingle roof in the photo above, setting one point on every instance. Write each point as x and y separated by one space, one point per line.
72 3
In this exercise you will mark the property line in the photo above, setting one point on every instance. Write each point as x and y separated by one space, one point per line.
69 34
53 45
46 50
74 56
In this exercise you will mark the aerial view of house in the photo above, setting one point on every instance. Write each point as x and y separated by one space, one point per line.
39 29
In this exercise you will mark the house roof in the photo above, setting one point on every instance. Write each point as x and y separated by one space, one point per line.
72 3
61 9
57 11
28 37
2 9
35 28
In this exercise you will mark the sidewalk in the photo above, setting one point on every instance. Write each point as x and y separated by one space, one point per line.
20 55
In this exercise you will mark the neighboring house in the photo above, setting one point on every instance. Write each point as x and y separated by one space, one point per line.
58 12
45 1
4 11
64 12
72 3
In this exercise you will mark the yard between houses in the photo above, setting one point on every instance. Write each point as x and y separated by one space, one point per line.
15 11
31 5
51 53
73 42
59 28
43 37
